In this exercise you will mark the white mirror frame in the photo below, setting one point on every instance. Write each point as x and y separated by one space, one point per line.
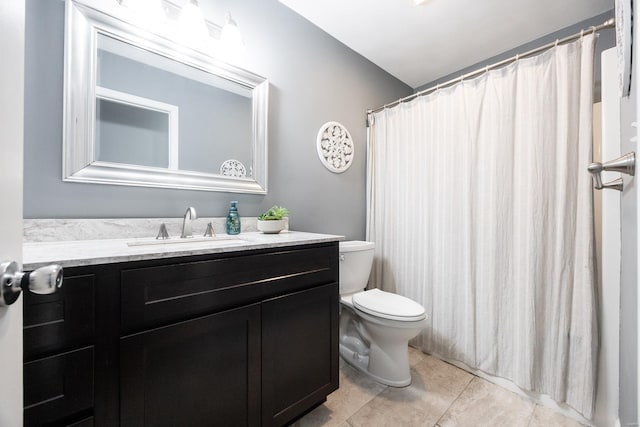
82 25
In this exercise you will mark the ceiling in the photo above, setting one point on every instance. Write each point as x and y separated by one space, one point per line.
419 44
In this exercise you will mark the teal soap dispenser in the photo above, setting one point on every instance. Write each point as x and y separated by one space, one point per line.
233 219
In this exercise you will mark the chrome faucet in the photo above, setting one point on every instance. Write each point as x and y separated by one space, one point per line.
189 215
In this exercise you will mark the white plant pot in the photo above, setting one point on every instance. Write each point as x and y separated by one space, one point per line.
272 226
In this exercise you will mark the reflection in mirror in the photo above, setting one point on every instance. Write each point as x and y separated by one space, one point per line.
155 115
134 130
213 115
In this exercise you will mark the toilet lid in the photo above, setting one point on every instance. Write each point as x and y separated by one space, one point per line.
388 306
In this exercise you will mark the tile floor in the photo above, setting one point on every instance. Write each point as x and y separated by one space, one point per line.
440 395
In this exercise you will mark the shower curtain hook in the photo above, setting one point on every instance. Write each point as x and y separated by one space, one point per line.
582 33
593 30
557 42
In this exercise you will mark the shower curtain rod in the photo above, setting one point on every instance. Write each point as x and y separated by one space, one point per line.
610 23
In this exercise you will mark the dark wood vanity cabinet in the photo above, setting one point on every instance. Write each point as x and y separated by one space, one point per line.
235 339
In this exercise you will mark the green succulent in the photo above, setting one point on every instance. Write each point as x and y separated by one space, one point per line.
275 213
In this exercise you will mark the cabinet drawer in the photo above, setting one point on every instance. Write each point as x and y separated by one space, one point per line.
57 387
61 320
154 296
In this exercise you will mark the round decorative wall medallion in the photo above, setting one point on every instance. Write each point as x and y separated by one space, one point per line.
335 147
233 168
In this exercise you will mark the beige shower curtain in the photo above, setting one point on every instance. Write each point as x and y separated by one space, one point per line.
481 209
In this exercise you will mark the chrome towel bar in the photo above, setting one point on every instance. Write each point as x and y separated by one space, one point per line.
625 164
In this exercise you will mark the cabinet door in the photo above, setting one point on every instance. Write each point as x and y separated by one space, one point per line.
299 352
200 372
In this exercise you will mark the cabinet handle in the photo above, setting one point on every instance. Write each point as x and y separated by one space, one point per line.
44 280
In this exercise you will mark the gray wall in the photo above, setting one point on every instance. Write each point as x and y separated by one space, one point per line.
606 40
313 79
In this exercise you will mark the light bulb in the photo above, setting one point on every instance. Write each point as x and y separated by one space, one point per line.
192 24
231 38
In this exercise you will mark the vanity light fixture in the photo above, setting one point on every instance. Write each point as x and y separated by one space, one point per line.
419 2
188 25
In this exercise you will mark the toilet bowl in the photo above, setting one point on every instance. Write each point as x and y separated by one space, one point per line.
375 326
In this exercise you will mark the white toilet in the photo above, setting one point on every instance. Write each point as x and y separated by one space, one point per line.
375 326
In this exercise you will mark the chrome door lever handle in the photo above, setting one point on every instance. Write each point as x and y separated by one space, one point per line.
44 280
625 164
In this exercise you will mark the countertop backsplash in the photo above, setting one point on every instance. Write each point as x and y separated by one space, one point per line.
56 230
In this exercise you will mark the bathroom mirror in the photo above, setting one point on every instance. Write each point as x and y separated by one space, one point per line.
143 110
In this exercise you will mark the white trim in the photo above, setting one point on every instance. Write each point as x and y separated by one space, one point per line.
145 176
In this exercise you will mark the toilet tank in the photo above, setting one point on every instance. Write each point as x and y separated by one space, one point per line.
356 258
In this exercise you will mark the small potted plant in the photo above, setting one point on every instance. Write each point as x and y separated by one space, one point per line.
273 221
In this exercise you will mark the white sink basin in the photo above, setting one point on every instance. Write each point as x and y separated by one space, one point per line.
214 241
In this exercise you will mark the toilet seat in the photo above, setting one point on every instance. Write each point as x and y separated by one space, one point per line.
388 306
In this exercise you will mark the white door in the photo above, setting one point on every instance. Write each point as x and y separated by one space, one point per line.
11 142
628 272
633 210
629 338
606 148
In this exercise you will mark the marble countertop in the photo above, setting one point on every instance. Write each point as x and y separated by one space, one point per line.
92 252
